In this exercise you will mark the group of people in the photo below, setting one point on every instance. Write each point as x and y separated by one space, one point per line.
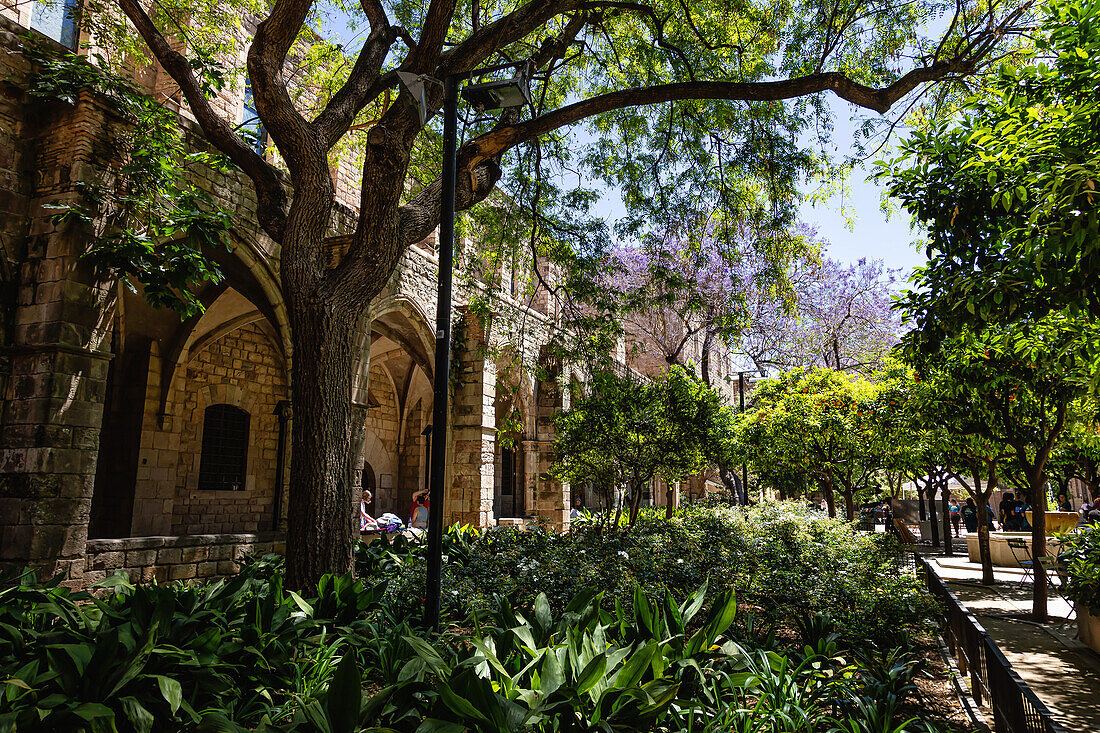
1012 513
389 522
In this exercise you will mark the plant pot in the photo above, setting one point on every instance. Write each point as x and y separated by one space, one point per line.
1058 522
1088 628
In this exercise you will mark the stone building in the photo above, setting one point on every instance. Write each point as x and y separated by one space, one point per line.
130 439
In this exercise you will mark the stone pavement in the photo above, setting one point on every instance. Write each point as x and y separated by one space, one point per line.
1063 672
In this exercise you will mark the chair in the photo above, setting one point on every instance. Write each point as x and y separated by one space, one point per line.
1021 552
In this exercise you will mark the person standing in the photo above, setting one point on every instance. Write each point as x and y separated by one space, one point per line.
955 516
969 514
418 515
1010 520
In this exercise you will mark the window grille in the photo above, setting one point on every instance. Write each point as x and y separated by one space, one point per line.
224 448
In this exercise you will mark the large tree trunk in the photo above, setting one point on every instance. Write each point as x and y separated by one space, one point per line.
1038 545
320 532
921 512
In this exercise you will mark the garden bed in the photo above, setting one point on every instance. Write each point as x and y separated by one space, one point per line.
588 629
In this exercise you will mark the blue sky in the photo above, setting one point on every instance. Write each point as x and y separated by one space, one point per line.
872 234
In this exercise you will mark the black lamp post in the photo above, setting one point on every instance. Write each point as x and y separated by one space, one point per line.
489 95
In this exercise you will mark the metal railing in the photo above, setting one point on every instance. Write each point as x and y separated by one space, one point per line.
993 682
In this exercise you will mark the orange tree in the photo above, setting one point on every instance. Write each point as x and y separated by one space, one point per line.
1017 386
822 424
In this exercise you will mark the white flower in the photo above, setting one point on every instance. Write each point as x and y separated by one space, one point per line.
622 553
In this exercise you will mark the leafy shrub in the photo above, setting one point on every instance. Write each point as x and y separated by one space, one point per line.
784 561
1081 555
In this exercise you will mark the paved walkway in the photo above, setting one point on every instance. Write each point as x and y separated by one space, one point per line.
1063 672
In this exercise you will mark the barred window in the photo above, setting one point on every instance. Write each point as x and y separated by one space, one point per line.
224 448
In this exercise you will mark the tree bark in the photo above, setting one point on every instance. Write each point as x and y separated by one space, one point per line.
945 508
921 511
849 503
320 532
933 520
830 498
1038 544
983 538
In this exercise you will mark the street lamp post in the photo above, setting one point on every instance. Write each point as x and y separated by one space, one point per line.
489 95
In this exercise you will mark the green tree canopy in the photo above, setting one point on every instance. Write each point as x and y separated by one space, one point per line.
826 424
1006 193
628 431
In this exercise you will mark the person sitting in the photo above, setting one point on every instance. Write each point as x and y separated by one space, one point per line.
366 521
1063 502
1094 511
577 510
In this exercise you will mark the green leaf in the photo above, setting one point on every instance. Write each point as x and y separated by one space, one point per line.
344 699
592 673
170 690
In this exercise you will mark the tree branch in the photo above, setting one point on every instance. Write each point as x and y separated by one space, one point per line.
361 87
879 100
272 204
295 137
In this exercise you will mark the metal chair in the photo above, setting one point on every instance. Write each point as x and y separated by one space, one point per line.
1021 551
1055 568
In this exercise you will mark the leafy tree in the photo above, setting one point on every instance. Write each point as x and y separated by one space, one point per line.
836 316
1006 193
960 437
1020 383
643 72
822 421
628 431
1077 455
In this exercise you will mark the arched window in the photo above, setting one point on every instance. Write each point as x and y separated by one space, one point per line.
224 448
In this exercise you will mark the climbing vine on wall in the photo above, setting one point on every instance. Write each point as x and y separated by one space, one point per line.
146 219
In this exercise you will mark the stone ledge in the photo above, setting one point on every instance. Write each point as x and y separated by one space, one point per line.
97 546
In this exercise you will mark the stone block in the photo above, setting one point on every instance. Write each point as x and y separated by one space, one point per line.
106 561
182 572
193 554
207 569
139 558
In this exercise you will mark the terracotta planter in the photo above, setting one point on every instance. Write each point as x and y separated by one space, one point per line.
1058 522
1088 628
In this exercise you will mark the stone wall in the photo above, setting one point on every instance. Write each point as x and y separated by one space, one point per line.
160 559
242 369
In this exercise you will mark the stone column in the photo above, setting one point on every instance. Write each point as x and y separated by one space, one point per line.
473 430
551 500
52 409
59 354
